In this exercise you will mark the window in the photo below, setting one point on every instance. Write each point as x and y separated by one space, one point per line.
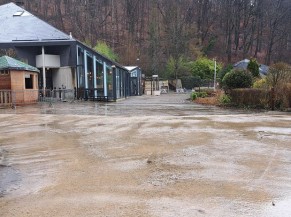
28 81
4 72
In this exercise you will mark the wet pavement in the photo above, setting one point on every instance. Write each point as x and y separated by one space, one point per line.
144 156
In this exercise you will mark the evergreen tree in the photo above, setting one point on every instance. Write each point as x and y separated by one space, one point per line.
254 67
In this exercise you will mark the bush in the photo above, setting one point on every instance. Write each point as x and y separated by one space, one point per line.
254 67
249 97
193 95
224 99
278 75
237 79
261 83
196 95
202 94
223 72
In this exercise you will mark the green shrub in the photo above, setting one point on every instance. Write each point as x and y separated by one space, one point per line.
250 98
196 95
193 95
224 99
202 94
261 83
237 79
223 72
254 67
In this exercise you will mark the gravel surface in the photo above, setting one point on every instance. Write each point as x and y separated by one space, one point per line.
145 156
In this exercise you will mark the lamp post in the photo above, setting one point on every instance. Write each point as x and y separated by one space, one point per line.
214 84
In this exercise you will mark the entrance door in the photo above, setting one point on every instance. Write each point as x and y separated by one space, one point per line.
134 87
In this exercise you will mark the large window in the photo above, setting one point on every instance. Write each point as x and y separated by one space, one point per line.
109 77
90 72
118 91
4 72
80 69
100 79
28 81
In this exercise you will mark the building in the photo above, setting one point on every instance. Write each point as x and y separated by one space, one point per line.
18 82
63 61
243 64
135 82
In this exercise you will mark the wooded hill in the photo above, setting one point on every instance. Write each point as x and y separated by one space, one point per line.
155 30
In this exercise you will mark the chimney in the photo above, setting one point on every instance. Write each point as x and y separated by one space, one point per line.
20 3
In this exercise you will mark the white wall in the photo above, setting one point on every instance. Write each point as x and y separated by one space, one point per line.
64 77
50 61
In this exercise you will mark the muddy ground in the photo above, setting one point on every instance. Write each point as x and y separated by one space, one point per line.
144 156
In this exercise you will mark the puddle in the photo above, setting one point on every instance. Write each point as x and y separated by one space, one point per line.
10 180
145 156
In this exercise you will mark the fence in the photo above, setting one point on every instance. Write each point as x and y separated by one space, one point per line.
5 98
94 94
24 97
57 95
196 82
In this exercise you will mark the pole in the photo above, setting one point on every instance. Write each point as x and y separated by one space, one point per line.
43 70
214 85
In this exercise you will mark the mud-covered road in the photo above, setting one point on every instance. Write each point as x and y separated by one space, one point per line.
144 156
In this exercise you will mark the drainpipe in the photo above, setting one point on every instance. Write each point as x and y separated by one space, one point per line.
43 70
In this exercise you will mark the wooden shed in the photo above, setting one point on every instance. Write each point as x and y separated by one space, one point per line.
18 82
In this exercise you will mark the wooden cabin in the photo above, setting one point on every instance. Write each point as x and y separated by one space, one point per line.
18 82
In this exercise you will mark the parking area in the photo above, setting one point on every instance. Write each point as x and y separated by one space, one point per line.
161 156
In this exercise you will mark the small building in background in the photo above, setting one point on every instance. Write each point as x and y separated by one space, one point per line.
243 64
18 82
135 83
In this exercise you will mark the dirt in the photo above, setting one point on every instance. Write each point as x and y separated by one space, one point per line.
145 156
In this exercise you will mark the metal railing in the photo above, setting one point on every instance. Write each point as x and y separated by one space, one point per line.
56 95
23 97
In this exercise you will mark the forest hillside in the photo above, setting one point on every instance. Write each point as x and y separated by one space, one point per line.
150 32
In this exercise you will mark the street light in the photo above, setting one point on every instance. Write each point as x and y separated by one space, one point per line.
214 85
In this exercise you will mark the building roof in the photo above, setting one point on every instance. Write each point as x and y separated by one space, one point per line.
18 25
21 28
130 68
243 64
7 62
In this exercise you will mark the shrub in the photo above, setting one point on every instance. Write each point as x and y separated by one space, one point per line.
254 67
202 94
193 95
237 79
279 74
196 95
261 83
224 99
223 72
249 97
279 78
